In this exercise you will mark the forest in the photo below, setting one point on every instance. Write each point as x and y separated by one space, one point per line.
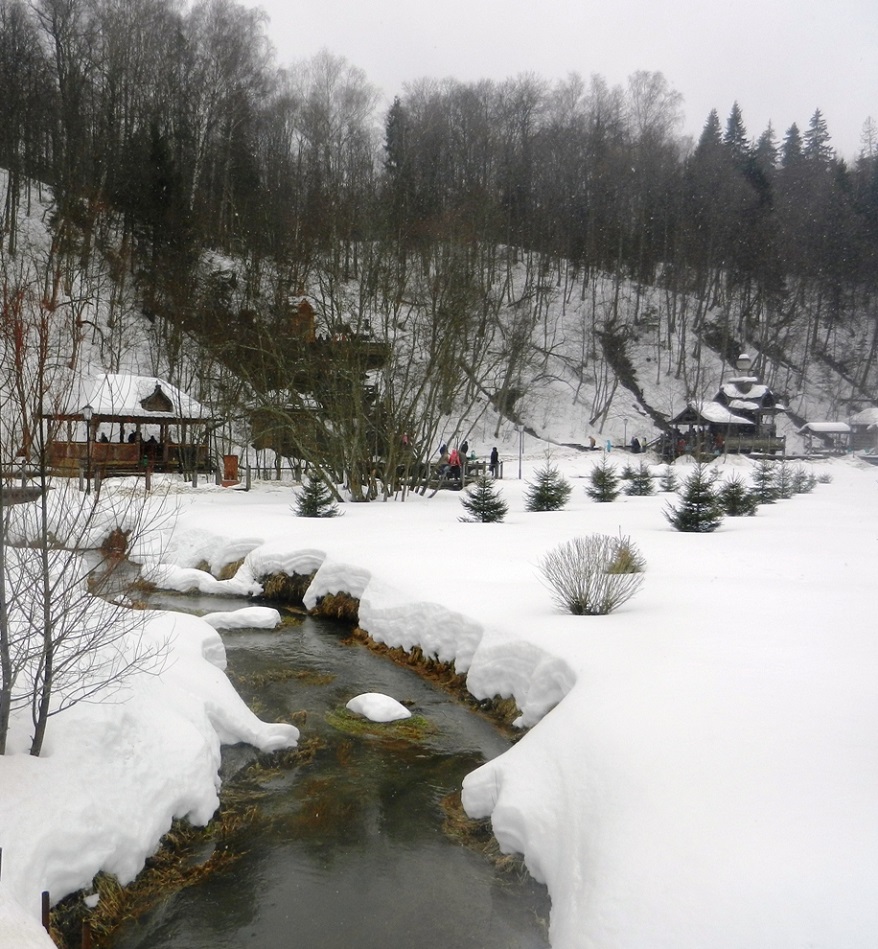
214 188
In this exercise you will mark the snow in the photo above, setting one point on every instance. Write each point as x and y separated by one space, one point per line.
378 707
700 766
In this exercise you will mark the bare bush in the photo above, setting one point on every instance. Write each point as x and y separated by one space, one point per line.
591 576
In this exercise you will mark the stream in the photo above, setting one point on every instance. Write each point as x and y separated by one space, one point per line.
348 848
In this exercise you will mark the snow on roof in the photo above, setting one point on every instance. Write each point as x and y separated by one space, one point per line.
826 428
121 395
718 414
749 389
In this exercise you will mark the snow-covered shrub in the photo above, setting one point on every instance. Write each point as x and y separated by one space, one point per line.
548 492
592 576
483 503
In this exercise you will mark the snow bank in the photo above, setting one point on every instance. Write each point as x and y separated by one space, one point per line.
113 775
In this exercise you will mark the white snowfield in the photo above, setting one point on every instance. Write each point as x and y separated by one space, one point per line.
700 768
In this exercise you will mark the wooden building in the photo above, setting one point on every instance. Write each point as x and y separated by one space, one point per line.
122 424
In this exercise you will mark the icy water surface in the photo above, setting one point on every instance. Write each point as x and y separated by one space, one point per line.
348 850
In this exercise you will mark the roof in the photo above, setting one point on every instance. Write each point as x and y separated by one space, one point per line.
713 413
125 397
825 428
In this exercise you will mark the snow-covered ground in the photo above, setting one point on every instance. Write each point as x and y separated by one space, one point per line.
700 766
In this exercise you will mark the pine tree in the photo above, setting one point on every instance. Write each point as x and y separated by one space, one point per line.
668 481
640 484
700 510
604 482
737 499
315 499
785 481
549 492
482 502
765 482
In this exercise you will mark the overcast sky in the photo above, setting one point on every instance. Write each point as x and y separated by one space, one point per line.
780 59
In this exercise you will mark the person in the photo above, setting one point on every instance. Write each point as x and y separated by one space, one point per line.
443 450
464 449
132 438
442 465
103 437
495 462
635 445
454 464
591 442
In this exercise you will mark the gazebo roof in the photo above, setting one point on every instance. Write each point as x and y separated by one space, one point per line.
825 428
121 397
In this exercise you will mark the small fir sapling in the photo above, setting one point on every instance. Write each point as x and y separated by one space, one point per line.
315 499
737 498
549 491
668 481
699 510
784 481
640 483
483 503
804 481
765 481
603 482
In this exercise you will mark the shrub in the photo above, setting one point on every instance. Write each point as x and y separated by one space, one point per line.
483 503
549 491
824 478
315 499
604 483
700 510
737 499
640 483
591 576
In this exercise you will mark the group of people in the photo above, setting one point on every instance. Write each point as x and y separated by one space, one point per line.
452 463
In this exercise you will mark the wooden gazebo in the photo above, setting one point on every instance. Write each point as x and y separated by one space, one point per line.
126 423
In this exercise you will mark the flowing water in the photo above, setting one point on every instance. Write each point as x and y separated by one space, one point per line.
348 850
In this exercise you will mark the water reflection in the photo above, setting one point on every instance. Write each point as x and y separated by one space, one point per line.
348 849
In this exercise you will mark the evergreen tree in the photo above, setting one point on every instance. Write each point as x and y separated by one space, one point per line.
735 138
737 499
803 481
816 147
640 483
549 491
784 481
604 482
668 481
315 499
765 482
700 510
482 502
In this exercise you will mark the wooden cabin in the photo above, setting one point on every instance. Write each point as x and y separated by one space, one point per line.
741 418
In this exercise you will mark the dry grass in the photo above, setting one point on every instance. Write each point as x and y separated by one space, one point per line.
411 730
476 835
186 855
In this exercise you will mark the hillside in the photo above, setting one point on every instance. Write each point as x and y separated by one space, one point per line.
564 353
